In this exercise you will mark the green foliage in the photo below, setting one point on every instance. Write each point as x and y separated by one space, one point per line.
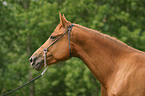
26 24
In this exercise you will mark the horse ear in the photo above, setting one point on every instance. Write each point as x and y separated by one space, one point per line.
63 20
60 17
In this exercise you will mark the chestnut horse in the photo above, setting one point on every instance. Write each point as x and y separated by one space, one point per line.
119 67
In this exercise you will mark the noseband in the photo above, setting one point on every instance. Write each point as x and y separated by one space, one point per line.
45 50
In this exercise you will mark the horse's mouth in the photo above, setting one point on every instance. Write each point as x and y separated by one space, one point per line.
38 63
38 66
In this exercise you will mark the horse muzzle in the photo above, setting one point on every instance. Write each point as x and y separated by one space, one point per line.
36 63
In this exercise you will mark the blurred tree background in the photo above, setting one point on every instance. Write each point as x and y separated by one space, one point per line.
26 24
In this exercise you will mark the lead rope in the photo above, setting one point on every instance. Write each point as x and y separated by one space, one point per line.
45 51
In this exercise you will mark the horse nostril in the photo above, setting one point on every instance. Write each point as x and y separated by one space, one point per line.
31 60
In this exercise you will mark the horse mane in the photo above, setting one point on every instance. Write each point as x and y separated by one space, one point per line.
105 36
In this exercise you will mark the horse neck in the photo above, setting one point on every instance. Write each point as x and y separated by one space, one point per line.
100 52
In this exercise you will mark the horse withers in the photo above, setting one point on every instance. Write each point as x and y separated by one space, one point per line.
119 67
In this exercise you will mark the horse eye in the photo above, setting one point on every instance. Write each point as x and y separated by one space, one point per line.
52 37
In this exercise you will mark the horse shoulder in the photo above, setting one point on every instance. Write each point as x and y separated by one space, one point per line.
130 79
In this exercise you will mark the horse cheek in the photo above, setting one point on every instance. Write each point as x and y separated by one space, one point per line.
62 52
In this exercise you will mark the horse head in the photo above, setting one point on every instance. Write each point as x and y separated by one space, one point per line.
59 51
